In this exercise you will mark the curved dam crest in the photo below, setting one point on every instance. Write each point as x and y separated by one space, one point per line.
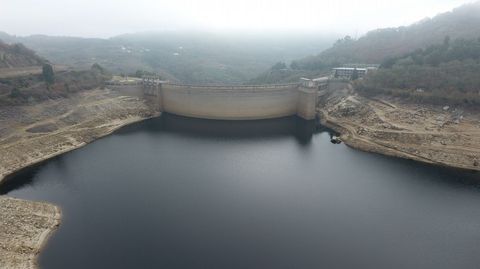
233 102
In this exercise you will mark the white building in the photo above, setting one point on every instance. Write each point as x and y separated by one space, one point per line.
314 83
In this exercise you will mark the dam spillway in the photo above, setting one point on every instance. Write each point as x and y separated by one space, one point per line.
223 102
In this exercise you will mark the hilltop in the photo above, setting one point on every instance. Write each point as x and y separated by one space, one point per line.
17 55
26 78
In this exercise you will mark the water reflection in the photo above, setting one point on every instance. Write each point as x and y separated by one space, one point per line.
212 129
296 127
175 192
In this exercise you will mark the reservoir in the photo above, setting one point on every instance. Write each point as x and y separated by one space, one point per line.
183 193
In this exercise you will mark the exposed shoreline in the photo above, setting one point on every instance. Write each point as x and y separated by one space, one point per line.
423 133
6 175
25 228
82 120
352 140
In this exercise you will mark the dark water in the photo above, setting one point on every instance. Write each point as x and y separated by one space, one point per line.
183 193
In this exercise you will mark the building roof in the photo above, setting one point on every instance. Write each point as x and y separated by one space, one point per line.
322 79
349 68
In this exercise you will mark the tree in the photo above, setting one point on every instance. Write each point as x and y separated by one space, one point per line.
98 68
48 74
294 65
446 41
15 92
279 66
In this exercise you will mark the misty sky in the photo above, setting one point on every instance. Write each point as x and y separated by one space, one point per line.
105 18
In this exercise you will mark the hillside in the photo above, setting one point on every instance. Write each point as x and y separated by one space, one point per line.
383 45
446 73
378 45
192 57
17 55
27 78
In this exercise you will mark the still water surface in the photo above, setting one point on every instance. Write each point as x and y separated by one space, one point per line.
184 193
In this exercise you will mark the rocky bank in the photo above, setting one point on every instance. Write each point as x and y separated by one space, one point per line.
446 136
24 228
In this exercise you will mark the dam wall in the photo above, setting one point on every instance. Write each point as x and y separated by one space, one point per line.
233 102
230 103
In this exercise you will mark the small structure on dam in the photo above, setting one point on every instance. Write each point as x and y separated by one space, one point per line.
237 102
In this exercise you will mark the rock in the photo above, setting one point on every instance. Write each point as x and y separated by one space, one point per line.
335 140
475 163
446 108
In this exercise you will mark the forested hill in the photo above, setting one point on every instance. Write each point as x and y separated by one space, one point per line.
17 55
192 57
441 74
378 45
383 45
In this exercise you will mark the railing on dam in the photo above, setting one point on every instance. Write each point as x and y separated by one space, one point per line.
233 87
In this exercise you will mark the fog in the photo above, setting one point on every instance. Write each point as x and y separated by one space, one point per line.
106 18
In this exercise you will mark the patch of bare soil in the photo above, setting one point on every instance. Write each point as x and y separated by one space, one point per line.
33 133
24 227
445 136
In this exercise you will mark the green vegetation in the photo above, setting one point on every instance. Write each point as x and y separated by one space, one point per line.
48 74
15 93
22 90
190 57
142 73
445 73
379 45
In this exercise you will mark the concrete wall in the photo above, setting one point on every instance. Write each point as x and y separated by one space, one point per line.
230 103
235 102
307 103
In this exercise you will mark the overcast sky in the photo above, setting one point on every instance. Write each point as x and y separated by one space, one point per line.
105 18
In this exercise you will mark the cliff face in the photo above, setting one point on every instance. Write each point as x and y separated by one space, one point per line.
17 55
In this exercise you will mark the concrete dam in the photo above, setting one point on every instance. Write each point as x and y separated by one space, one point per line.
223 102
